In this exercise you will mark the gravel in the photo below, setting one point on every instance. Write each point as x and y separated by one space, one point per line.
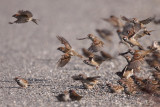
29 51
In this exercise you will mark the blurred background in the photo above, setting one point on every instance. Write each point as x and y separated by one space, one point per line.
22 45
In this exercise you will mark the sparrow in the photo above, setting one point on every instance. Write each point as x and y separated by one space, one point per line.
23 17
105 34
137 60
88 82
65 96
68 52
138 25
133 40
147 85
114 21
124 81
74 96
120 35
115 88
93 60
96 45
21 82
129 85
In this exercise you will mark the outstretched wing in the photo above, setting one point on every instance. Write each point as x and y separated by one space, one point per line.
148 20
64 60
86 53
25 13
94 48
64 41
106 55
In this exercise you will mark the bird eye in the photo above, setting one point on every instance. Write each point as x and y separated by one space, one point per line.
124 38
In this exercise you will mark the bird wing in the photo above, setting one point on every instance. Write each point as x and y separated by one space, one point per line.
64 41
106 55
21 20
94 48
86 53
25 13
63 60
98 59
124 18
148 20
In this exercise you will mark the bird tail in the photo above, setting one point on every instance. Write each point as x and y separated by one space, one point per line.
35 21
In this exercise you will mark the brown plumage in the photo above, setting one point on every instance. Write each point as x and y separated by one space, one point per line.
133 40
68 52
115 88
129 85
128 73
138 24
96 45
23 17
106 55
74 96
155 46
21 82
105 34
114 21
88 82
65 96
154 63
138 59
93 60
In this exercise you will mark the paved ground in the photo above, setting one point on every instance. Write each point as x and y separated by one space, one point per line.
29 51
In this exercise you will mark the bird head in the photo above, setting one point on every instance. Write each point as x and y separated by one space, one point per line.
125 38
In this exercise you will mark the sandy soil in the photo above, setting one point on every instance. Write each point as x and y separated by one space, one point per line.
29 51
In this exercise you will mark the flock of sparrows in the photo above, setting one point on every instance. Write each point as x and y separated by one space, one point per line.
129 33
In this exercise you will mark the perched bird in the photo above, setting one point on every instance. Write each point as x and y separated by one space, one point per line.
96 45
129 85
105 34
146 85
23 17
68 52
21 82
113 20
74 96
88 82
115 88
65 96
93 60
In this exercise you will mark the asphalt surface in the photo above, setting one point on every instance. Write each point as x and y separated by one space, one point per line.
29 50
